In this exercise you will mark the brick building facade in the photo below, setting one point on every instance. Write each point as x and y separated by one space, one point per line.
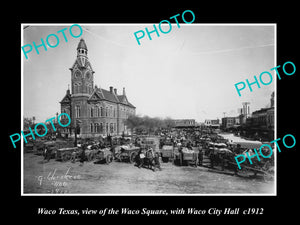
95 111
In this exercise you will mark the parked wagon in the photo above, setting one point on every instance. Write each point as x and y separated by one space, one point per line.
104 154
186 156
226 158
264 166
167 153
49 150
126 153
64 154
148 143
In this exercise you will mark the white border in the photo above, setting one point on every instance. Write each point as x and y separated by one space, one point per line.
133 24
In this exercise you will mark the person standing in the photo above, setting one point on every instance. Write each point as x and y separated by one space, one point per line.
156 161
200 156
82 155
141 158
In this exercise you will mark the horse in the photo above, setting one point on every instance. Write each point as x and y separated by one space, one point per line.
149 160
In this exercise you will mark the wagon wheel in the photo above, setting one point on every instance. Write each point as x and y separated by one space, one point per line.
118 157
132 157
108 159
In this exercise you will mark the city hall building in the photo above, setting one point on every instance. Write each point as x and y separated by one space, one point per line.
93 110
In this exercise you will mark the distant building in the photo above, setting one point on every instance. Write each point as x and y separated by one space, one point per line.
264 117
261 123
185 123
230 122
212 123
244 113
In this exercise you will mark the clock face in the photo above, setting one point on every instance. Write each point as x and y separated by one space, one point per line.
77 74
88 75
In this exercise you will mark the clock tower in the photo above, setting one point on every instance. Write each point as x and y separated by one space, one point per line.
82 74
93 111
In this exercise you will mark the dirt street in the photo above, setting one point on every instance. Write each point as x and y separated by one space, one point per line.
125 178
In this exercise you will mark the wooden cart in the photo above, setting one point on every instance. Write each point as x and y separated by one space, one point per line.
167 153
126 153
104 154
186 156
64 154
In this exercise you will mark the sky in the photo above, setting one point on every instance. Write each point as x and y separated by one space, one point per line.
188 73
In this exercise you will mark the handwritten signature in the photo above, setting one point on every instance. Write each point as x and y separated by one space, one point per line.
53 177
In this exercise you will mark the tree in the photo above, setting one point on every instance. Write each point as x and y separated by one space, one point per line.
27 122
148 124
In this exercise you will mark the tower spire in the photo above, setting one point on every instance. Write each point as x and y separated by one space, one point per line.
82 48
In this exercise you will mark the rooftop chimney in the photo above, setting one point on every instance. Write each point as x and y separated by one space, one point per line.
68 91
115 90
111 89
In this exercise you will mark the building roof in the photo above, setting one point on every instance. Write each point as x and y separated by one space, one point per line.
67 97
262 110
81 44
102 94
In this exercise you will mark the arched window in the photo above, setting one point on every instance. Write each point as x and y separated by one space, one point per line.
111 128
92 128
92 111
101 128
96 127
64 116
77 111
101 111
106 112
98 111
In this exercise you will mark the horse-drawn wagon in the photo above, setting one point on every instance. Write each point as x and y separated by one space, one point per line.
186 156
262 166
222 156
167 153
104 154
64 154
126 153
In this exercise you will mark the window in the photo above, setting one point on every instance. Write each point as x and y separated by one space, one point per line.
101 111
91 128
77 111
111 128
96 128
110 111
98 111
101 128
63 116
106 127
114 112
91 112
106 112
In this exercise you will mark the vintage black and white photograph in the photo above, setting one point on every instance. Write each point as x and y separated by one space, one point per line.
131 109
